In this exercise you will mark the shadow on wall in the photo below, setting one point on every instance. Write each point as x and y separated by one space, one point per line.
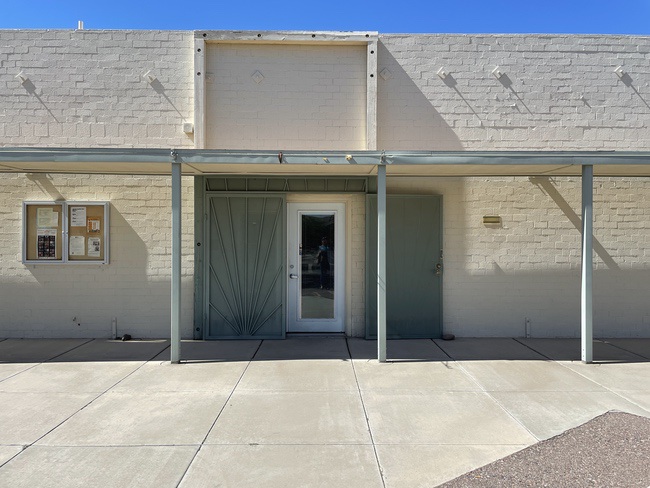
451 82
75 300
406 118
507 83
31 89
44 183
545 184
547 304
159 88
626 79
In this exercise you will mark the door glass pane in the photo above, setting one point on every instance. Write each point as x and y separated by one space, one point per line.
317 259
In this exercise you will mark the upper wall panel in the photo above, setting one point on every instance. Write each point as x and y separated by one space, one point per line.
285 96
556 92
136 89
88 89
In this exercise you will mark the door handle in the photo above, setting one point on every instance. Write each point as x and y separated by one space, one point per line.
293 276
438 269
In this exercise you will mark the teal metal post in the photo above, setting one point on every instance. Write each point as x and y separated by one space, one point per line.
381 263
586 294
176 264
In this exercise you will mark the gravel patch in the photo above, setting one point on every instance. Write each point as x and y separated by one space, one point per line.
612 450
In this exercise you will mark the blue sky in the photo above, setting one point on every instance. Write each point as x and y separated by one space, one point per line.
457 16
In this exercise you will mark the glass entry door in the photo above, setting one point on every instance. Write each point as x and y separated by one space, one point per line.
316 274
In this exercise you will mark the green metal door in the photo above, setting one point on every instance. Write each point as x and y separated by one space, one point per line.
245 267
413 266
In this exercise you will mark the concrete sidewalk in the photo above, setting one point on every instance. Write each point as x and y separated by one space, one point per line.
300 412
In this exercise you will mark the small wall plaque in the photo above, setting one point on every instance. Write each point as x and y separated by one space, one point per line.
492 219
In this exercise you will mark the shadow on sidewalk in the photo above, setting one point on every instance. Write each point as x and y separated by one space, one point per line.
335 347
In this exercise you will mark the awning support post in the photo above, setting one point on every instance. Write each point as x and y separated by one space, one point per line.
176 263
381 263
586 294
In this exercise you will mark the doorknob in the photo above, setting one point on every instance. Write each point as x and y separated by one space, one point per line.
293 276
438 268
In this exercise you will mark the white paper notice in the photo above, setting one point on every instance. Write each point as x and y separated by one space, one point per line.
46 217
77 216
94 248
77 246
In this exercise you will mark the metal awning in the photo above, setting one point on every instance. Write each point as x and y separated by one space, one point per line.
405 163
178 162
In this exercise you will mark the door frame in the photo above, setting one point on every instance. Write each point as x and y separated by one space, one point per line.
354 200
293 286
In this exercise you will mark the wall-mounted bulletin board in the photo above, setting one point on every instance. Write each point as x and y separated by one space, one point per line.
86 238
43 232
65 232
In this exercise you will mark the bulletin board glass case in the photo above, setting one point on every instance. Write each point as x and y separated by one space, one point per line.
65 232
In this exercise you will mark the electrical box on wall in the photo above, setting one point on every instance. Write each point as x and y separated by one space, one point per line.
65 232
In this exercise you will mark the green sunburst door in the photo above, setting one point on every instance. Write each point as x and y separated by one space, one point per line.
245 267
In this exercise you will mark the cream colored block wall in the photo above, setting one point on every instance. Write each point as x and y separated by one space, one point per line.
87 89
40 300
558 92
310 97
497 277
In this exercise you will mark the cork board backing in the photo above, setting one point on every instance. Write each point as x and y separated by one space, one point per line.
32 231
93 228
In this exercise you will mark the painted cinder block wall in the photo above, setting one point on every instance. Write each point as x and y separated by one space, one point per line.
497 277
280 97
558 92
41 300
88 89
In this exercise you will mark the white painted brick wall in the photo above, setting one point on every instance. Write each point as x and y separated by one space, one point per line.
497 276
86 88
560 92
41 300
311 97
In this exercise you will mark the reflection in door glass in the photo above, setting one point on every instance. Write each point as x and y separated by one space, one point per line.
317 257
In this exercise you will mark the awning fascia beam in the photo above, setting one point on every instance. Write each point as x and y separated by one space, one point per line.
13 157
